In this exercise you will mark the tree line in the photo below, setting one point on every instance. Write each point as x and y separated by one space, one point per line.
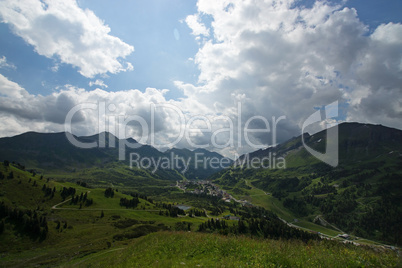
170 210
26 221
266 228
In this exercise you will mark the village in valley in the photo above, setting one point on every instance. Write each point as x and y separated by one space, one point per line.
207 187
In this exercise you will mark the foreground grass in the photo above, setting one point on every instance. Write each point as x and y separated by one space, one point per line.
166 249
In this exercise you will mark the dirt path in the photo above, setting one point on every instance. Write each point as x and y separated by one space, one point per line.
206 213
61 203
319 217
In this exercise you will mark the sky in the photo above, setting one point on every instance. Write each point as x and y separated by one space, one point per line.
229 76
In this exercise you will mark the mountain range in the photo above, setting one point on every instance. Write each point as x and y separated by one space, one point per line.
54 151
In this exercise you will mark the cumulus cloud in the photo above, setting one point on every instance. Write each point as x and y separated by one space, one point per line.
378 79
17 102
62 29
282 59
129 113
10 89
277 60
21 111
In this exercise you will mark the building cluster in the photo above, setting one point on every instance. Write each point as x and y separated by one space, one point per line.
201 187
209 188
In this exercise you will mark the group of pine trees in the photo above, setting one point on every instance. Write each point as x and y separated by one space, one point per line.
10 175
212 225
142 196
129 203
197 213
81 199
183 226
49 191
109 192
272 229
82 183
66 192
171 211
27 221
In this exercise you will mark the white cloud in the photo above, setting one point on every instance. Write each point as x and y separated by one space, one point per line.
55 67
62 29
17 102
48 113
280 59
198 28
378 79
5 64
277 60
98 82
11 89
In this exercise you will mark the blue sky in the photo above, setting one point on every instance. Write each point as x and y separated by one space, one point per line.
159 57
201 56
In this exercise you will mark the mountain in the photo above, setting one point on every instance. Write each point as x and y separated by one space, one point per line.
48 150
201 163
362 195
54 151
357 142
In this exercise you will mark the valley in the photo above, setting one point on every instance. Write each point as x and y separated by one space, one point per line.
201 133
92 214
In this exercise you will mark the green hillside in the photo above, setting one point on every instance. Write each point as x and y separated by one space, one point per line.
208 250
86 226
73 224
361 196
